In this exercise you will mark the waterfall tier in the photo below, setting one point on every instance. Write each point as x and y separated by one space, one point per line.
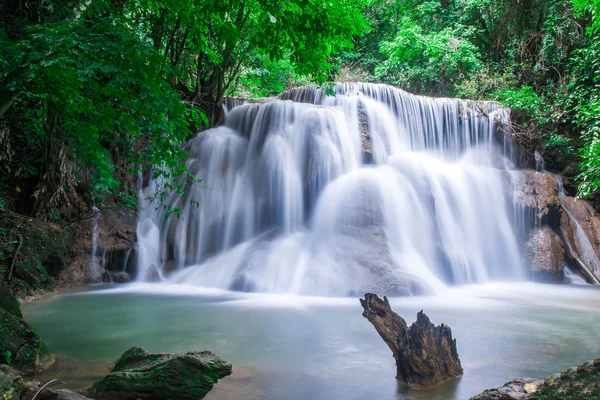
373 189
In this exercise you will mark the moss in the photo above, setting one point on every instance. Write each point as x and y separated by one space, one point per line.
139 374
582 382
43 254
9 303
20 345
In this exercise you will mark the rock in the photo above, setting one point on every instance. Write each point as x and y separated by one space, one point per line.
535 190
153 274
425 354
11 383
9 303
139 374
169 267
20 345
33 389
120 277
545 255
580 382
580 228
513 390
366 144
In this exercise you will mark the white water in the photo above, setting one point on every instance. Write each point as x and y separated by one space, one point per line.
288 203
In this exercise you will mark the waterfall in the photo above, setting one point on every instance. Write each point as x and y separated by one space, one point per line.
96 267
372 189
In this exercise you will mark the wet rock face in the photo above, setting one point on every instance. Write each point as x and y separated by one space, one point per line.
116 232
545 254
139 374
536 190
425 354
580 226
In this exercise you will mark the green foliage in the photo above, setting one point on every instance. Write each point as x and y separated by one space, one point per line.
427 61
590 168
561 145
592 7
89 91
265 78
526 101
533 56
7 356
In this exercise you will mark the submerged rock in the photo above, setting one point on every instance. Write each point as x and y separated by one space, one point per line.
20 345
581 382
11 383
545 255
425 354
153 274
35 389
120 277
139 374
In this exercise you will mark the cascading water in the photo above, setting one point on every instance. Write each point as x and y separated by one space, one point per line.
96 267
373 189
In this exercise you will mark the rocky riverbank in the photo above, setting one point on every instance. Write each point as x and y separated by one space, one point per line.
581 382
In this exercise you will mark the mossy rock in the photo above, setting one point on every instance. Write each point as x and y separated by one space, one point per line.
9 303
42 255
139 374
20 345
11 384
581 382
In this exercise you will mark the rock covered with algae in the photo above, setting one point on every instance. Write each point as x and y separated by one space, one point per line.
157 376
20 346
578 383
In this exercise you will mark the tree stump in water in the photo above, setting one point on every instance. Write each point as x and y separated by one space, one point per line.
425 354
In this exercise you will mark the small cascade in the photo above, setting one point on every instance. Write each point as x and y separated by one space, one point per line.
373 189
96 265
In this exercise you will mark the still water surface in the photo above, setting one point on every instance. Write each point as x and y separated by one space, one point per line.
285 347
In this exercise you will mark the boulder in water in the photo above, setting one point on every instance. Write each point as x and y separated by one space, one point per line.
425 354
545 255
158 376
120 277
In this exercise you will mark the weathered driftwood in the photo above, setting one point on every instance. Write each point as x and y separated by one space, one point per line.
425 354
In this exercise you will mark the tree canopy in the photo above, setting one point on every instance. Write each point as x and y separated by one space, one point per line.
94 87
